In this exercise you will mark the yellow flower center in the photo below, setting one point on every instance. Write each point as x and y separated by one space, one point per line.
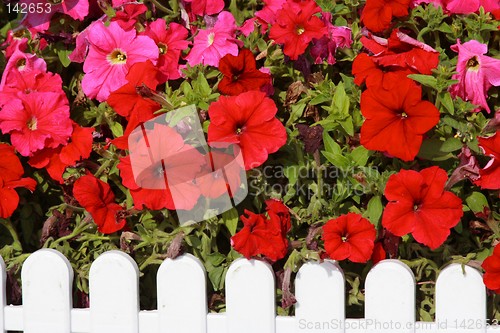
211 38
117 57
163 48
473 64
32 124
300 30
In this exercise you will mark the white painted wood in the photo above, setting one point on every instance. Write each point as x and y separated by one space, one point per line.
3 295
114 294
80 320
390 298
320 294
460 300
13 318
182 295
47 281
250 297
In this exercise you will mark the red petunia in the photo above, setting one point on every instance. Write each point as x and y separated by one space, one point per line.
129 16
97 198
220 175
249 121
418 204
377 14
241 74
206 7
11 172
57 160
349 236
379 253
490 174
296 26
277 208
260 236
491 266
396 119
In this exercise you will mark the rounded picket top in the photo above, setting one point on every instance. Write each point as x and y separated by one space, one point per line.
182 297
250 294
390 297
319 291
47 281
461 299
114 294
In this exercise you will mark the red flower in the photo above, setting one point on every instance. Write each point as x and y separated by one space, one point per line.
396 119
247 120
419 205
491 267
97 198
365 70
350 237
276 207
296 26
57 160
11 171
241 74
128 17
206 7
379 253
490 174
220 175
260 236
377 14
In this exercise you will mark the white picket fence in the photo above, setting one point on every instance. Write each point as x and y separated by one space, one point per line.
250 297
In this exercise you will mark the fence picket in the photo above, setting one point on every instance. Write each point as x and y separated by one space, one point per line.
47 281
3 298
319 290
460 300
114 294
250 297
182 300
390 298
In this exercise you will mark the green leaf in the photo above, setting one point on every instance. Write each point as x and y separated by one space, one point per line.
374 210
426 80
450 145
360 155
330 145
230 219
296 112
477 202
63 56
340 100
447 101
337 160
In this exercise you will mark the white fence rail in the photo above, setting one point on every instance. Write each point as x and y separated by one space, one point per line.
250 296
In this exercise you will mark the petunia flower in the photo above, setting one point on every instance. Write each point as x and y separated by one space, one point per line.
491 266
464 7
489 176
249 121
171 41
129 15
98 199
112 51
326 47
11 172
377 14
205 7
23 63
476 73
278 208
260 236
241 74
296 26
418 204
210 45
350 237
36 121
38 20
396 118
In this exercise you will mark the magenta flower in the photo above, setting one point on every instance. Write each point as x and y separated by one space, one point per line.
210 45
23 63
476 73
171 42
112 51
326 46
40 20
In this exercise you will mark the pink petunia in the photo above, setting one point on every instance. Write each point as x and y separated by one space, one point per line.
112 51
36 121
206 7
463 6
326 46
210 45
23 63
39 20
171 41
476 73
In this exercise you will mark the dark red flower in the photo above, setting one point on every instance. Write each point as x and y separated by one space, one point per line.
241 74
349 236
489 176
296 26
97 198
379 253
249 121
491 266
377 14
57 160
260 236
11 172
396 119
418 204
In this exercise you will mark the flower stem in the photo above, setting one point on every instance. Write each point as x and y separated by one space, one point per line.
16 243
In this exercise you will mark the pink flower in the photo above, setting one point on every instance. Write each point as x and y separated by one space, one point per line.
171 42
210 45
326 46
476 73
40 21
463 6
112 51
206 7
23 63
37 120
